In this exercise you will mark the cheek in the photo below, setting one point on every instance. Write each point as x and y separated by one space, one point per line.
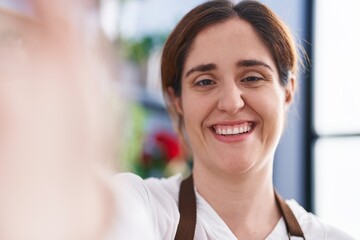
271 109
191 112
195 110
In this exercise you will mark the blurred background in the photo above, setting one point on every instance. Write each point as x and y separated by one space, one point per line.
318 160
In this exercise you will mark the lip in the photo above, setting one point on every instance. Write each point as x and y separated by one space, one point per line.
232 123
232 138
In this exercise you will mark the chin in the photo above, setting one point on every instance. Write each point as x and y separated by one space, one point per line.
236 167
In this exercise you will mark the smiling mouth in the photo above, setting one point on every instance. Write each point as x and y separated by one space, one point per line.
231 130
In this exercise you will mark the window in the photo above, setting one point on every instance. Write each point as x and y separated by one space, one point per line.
337 113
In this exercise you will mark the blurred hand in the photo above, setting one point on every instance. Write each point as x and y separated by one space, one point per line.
56 145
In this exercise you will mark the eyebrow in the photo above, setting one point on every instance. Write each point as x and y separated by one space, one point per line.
252 63
239 64
201 68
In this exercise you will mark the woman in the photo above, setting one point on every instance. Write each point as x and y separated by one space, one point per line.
228 76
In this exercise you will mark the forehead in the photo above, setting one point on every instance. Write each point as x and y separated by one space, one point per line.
227 43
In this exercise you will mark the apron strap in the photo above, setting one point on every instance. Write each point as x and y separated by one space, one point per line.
292 225
187 209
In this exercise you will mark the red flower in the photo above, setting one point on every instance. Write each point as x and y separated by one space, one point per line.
169 144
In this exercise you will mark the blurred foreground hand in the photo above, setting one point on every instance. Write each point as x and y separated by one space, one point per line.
56 124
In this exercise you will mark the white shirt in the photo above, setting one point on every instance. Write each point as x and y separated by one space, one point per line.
148 209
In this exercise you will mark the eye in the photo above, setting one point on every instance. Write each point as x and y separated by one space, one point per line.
252 79
205 82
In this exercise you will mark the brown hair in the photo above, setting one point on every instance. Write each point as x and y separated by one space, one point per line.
269 27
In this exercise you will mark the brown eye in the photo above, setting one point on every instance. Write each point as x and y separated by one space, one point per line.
252 79
205 82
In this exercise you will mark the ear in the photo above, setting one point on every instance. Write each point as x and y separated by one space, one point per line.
175 100
290 91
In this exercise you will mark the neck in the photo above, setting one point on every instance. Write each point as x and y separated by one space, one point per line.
244 202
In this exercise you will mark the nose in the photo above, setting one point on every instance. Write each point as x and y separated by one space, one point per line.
230 99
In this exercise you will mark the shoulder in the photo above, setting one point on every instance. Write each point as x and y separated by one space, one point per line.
131 208
164 187
151 188
153 201
313 227
164 201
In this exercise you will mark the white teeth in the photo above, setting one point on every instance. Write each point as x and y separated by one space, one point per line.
232 130
235 131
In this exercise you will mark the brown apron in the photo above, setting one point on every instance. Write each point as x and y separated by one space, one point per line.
187 209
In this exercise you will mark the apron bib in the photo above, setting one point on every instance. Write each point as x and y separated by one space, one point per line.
187 209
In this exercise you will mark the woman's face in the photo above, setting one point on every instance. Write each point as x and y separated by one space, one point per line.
232 102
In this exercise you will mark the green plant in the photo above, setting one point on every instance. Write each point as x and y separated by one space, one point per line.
139 50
